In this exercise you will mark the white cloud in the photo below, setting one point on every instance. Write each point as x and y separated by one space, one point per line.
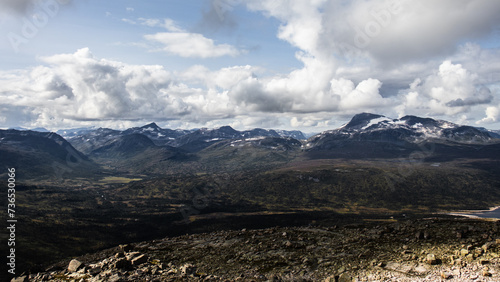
80 87
450 91
301 21
167 24
394 32
492 114
179 42
413 61
191 45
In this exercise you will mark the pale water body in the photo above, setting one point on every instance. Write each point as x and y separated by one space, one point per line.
493 213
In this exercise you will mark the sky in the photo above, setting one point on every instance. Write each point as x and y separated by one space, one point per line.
282 64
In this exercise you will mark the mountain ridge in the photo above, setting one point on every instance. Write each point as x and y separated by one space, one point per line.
366 135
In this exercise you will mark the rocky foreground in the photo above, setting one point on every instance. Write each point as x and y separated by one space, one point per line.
433 249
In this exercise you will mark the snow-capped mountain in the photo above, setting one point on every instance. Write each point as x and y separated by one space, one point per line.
88 140
296 134
204 137
158 135
69 133
372 128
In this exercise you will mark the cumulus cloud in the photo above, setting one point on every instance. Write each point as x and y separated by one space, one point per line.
383 56
301 22
492 114
450 91
81 87
394 32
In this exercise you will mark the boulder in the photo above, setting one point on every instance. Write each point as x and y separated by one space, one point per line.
74 265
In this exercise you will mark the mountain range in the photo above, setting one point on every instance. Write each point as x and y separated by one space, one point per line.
370 135
143 183
151 148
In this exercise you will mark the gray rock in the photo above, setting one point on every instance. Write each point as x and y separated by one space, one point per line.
394 266
345 277
115 278
445 275
431 259
94 270
132 255
420 270
74 265
139 260
330 279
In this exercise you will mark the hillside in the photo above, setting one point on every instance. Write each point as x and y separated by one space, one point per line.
43 155
434 249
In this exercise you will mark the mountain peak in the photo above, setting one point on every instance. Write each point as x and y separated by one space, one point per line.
362 119
227 129
151 126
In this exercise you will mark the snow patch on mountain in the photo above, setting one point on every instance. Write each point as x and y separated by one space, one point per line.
376 121
412 129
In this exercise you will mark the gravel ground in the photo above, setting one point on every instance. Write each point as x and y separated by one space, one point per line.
434 249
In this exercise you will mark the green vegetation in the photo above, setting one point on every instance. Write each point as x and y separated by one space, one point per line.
117 179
